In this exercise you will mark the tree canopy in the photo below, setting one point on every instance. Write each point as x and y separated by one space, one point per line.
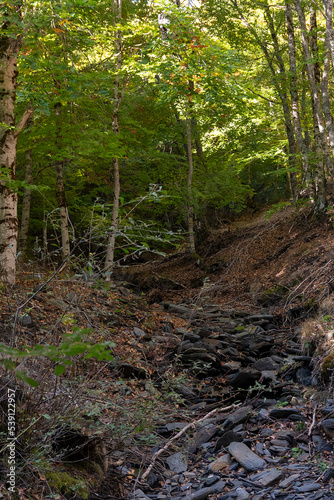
138 122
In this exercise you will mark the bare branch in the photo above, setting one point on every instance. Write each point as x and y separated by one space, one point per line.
23 121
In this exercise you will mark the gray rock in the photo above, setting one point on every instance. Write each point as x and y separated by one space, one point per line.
201 436
278 413
265 364
328 426
139 333
306 488
242 494
220 463
243 378
210 480
270 477
175 426
226 439
25 320
246 457
237 417
203 493
139 495
177 462
286 482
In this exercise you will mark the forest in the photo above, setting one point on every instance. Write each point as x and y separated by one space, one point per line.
166 257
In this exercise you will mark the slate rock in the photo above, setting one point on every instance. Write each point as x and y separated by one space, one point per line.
286 482
231 367
238 417
25 320
243 379
210 480
307 488
177 462
279 413
139 495
329 473
328 426
246 457
220 463
270 477
203 493
202 436
265 364
226 439
175 426
304 376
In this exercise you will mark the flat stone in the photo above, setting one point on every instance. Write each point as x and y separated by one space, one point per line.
242 494
139 495
177 462
246 457
306 488
210 480
237 417
284 412
286 482
244 378
220 463
25 320
270 477
227 438
265 364
139 333
202 436
175 426
203 493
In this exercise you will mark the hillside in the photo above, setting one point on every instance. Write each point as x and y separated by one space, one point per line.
231 346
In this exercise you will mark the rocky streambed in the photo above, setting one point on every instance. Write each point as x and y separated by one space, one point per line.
258 424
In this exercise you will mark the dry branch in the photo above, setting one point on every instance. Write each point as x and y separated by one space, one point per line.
179 434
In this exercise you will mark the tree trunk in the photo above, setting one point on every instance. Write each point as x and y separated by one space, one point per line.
110 254
328 7
26 202
9 50
302 145
280 89
319 129
325 97
60 189
190 209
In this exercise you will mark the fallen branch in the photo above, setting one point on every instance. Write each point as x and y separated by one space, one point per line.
313 422
179 434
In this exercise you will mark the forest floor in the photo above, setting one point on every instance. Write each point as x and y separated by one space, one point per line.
240 346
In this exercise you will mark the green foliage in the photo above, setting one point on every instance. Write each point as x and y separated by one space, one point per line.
62 355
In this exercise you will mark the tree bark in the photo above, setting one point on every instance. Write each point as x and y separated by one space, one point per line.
326 99
319 128
281 91
26 202
60 189
302 145
9 50
190 209
110 254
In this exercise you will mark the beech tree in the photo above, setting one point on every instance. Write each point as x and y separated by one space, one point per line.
10 45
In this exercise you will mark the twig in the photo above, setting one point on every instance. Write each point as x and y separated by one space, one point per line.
313 423
179 434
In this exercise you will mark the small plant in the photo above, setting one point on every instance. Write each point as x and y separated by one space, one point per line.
281 404
296 451
327 318
300 426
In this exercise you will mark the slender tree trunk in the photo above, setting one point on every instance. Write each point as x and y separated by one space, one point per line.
279 83
283 86
26 202
110 254
9 50
328 7
60 189
190 209
325 97
302 145
319 129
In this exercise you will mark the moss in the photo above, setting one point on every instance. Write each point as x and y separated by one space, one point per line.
62 482
327 367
